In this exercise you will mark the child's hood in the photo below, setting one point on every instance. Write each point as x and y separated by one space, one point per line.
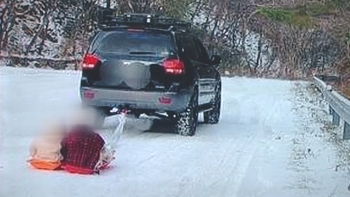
55 132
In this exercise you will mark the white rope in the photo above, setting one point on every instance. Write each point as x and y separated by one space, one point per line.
115 133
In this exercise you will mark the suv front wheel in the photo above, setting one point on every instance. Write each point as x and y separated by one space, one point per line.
186 121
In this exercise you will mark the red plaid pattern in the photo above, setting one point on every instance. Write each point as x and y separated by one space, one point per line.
81 148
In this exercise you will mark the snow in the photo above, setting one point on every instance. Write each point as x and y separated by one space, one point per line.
270 142
37 57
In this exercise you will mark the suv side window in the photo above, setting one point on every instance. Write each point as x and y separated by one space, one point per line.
203 54
190 48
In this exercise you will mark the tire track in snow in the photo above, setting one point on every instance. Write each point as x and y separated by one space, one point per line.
225 166
237 166
239 171
254 143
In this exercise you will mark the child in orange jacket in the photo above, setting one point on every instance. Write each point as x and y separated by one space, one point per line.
45 150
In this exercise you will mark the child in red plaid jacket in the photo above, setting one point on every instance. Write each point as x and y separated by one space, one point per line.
81 149
84 150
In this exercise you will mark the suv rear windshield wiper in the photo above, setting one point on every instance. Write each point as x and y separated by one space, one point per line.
142 53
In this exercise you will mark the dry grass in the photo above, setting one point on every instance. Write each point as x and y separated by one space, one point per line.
343 88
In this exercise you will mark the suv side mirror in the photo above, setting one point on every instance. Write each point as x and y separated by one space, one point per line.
93 35
215 59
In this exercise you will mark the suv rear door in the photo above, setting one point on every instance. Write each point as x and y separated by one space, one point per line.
132 59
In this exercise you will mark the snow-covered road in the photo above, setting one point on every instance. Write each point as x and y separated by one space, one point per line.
267 144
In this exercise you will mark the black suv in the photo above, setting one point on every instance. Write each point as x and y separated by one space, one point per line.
152 65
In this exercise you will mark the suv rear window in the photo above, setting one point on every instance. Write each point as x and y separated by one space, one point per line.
135 43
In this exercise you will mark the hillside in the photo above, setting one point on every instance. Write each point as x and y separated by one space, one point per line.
267 38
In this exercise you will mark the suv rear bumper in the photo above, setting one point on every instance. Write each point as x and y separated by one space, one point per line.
140 100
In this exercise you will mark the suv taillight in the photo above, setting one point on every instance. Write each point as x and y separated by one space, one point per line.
174 66
90 61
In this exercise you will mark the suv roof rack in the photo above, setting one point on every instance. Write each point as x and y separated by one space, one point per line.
107 21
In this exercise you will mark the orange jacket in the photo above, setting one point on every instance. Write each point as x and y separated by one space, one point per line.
47 147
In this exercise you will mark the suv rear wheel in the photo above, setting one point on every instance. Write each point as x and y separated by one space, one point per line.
186 121
213 116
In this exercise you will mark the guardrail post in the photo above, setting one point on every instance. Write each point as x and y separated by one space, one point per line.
346 135
336 119
331 110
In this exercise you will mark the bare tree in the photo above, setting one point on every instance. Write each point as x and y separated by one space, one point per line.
7 20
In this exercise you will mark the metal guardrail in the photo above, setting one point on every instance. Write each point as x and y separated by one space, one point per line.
339 106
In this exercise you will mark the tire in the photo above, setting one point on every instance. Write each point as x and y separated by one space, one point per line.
186 121
213 116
